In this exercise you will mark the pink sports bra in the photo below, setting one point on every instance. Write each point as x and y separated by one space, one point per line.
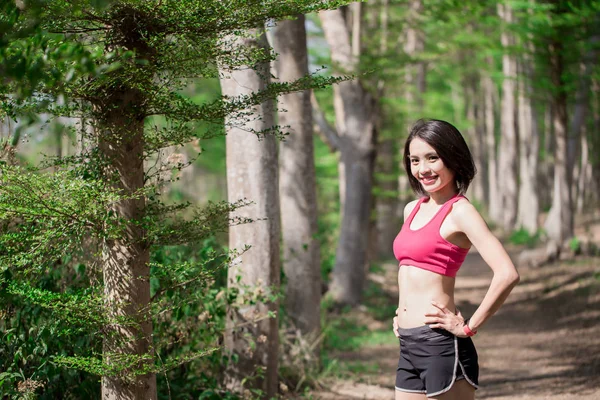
425 248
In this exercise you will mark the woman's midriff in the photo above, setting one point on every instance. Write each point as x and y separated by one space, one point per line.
418 288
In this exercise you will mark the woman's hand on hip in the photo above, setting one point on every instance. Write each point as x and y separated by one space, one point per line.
441 317
395 325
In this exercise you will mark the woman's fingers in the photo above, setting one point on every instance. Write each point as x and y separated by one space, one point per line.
395 326
433 320
434 314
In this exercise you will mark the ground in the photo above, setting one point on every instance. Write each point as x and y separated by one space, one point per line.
544 343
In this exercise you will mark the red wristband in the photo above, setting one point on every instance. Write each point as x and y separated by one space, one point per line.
468 330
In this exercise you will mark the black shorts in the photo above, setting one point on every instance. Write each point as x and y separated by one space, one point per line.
431 360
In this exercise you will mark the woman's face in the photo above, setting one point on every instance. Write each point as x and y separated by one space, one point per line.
428 168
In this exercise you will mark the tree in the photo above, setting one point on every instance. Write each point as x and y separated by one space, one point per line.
489 95
529 142
353 105
507 161
297 190
559 224
252 174
143 54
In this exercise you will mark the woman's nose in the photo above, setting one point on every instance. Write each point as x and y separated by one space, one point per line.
423 167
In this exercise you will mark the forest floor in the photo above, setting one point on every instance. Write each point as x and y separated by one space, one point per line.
544 343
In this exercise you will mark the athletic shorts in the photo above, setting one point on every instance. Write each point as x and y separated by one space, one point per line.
431 360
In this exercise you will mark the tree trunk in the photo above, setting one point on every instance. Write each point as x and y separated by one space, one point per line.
475 138
574 150
357 147
415 71
528 153
252 174
297 187
414 88
494 204
387 201
559 224
387 204
126 269
584 182
547 165
508 142
593 140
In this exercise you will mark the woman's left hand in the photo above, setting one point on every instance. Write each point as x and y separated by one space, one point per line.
443 318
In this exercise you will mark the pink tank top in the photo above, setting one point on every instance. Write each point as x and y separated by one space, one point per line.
425 248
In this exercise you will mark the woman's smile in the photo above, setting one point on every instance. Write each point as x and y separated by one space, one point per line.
428 180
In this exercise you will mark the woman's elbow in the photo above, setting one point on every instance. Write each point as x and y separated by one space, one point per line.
509 277
512 278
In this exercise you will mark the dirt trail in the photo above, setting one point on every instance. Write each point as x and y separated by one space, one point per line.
543 344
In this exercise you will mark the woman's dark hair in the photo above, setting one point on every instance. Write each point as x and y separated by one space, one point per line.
449 145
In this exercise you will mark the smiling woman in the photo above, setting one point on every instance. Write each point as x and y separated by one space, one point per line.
437 357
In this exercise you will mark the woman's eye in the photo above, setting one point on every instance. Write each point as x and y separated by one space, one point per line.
433 158
414 161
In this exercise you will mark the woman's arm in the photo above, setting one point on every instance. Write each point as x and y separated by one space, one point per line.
468 220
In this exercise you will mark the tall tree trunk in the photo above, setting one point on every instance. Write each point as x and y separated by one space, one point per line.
494 203
547 165
480 122
126 269
593 140
528 152
584 180
297 187
475 137
386 207
414 76
574 150
252 173
414 88
357 147
508 142
559 224
387 200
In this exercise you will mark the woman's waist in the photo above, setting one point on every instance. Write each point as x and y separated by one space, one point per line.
423 282
412 314
413 305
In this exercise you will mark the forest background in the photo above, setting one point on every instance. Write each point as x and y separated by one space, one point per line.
192 193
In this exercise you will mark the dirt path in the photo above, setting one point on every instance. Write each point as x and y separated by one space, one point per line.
543 344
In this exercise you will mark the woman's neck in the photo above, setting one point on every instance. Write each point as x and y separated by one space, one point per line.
443 195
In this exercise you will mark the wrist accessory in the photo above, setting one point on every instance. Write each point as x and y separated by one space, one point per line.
468 330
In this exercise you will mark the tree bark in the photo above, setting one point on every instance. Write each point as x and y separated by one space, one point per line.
475 138
387 202
508 142
585 181
559 224
357 147
252 173
528 152
574 149
494 203
415 72
547 165
297 186
126 269
414 88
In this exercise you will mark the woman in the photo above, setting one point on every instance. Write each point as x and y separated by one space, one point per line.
437 356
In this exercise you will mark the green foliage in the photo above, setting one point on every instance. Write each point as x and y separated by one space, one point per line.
575 245
523 237
117 66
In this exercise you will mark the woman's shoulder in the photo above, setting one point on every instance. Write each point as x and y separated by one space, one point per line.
463 210
410 207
